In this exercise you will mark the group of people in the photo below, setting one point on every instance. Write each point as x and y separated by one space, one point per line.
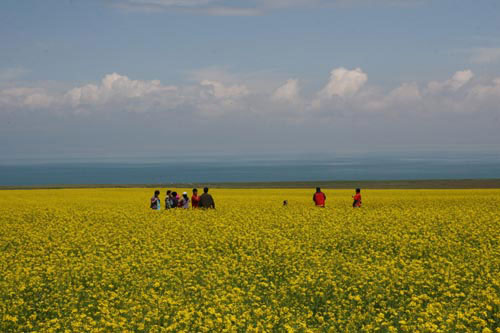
319 198
174 200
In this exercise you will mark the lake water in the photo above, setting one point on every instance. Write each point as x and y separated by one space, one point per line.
366 166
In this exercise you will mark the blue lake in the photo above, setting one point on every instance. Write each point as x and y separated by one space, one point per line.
368 166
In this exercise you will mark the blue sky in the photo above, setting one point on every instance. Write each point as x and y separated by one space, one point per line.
248 75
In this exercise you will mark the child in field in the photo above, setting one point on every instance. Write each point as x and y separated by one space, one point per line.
357 199
155 201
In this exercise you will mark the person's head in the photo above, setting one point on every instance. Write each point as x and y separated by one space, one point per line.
168 193
174 194
195 191
185 195
318 189
205 190
157 193
358 190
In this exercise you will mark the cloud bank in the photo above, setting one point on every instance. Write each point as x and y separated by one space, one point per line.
347 90
214 110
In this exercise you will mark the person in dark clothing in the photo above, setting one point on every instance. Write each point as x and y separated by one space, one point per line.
168 200
155 201
206 200
319 198
175 200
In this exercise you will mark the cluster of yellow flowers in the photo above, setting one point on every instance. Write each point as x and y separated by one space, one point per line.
101 260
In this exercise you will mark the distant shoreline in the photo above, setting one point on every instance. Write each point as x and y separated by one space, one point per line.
347 184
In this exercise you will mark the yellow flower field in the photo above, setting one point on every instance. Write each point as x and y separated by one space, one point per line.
100 260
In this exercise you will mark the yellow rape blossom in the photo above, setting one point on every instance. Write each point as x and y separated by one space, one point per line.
99 260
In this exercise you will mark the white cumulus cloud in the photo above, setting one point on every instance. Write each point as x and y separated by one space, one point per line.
116 88
458 80
288 92
344 82
214 93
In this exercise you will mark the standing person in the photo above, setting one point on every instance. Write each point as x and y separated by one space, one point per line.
206 200
175 200
357 199
319 198
184 202
168 200
155 201
195 199
178 197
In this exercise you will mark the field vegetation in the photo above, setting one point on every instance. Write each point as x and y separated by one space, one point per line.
80 260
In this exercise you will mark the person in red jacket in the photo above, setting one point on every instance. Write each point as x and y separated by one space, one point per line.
357 199
195 199
319 198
